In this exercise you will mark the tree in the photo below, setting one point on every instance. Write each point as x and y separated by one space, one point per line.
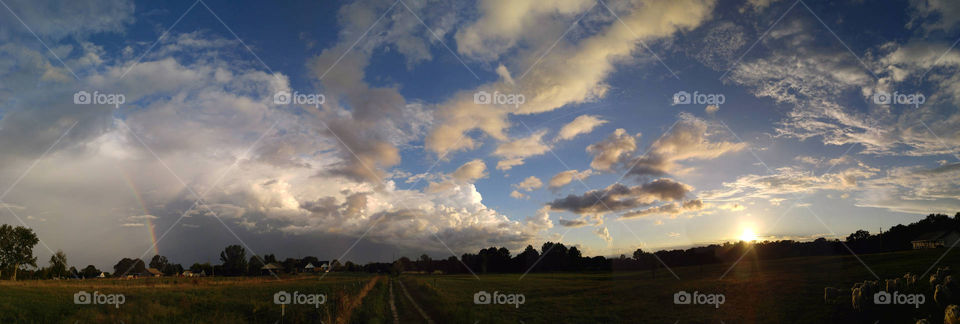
205 268
253 268
16 248
129 266
58 264
859 235
234 258
172 269
269 258
90 272
159 262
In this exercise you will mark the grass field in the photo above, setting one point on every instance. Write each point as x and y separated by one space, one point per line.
779 291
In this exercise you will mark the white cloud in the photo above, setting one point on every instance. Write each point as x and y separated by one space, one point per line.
581 125
514 152
471 171
565 177
612 150
529 184
553 82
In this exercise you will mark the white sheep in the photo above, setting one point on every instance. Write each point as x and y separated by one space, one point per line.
942 295
951 315
830 294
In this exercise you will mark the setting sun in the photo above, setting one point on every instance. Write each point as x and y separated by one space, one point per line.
748 235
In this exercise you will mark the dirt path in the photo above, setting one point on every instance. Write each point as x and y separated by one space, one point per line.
414 303
393 305
355 302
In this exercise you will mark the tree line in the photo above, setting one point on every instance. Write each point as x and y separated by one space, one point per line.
17 243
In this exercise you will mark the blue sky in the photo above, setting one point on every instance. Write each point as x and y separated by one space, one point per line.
401 158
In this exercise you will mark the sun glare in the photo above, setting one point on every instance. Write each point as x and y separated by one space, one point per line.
748 235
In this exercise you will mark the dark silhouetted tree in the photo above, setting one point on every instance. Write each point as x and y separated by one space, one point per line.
234 258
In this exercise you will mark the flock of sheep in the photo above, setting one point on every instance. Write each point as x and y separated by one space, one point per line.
942 284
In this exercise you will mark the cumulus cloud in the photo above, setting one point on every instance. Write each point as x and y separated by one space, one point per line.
529 184
572 222
471 171
514 152
604 234
552 83
618 197
565 177
198 116
465 174
612 150
932 15
689 139
671 209
580 125
517 195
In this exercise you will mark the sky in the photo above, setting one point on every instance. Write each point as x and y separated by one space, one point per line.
372 129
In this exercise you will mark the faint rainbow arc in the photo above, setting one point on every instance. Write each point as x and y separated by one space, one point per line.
151 229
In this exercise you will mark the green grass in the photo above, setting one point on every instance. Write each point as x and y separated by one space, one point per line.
777 291
181 300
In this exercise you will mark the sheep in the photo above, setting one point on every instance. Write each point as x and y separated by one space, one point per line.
857 299
830 294
942 295
891 285
951 315
869 287
923 321
949 282
935 279
910 281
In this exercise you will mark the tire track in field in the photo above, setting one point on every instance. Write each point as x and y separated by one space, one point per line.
353 303
393 305
414 303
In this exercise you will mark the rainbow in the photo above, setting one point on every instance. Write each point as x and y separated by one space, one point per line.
151 229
